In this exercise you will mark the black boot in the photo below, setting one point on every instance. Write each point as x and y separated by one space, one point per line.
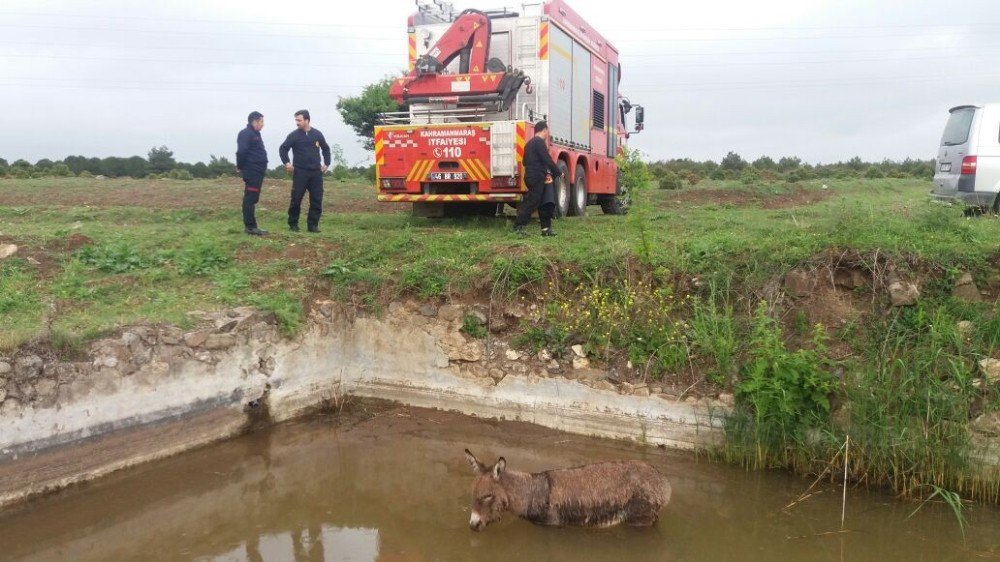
314 229
256 232
293 227
548 232
520 231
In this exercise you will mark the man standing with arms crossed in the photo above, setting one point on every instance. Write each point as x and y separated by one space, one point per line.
539 173
306 144
251 163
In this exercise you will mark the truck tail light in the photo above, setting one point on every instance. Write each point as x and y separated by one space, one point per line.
501 182
393 183
969 164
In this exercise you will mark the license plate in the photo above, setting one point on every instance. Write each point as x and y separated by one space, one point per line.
946 167
448 176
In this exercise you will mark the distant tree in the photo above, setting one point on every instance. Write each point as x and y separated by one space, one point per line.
136 167
161 160
733 162
76 164
788 163
44 164
200 170
278 172
337 155
220 166
856 164
4 163
3 168
361 112
22 164
764 163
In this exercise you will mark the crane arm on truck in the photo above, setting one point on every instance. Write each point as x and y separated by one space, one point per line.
468 38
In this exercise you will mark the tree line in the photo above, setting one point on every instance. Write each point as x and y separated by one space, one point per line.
675 173
159 163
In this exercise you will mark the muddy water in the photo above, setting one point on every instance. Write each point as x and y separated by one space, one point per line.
395 487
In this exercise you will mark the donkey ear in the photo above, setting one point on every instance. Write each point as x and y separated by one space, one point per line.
499 467
477 466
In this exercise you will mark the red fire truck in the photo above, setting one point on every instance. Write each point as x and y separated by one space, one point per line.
477 82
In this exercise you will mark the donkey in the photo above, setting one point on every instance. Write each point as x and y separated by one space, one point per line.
593 495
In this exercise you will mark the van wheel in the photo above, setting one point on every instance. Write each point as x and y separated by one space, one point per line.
562 191
578 195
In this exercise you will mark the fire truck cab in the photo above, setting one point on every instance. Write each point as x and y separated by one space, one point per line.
477 82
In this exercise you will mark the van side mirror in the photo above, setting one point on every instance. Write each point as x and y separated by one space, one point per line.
640 118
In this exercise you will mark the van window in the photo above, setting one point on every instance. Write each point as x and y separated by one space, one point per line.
957 130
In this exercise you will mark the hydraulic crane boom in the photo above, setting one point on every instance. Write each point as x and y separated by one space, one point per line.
468 38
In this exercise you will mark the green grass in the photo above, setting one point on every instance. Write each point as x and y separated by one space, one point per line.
145 263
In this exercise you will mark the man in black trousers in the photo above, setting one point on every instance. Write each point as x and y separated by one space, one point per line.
251 163
539 174
306 143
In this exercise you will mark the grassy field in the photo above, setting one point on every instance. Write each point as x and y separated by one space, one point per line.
113 252
686 289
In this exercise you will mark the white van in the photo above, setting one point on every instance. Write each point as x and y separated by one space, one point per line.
968 162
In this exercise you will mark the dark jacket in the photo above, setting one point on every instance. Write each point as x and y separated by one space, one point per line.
250 152
537 161
305 148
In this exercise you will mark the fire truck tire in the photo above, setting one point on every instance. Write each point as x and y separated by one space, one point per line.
616 204
562 191
578 194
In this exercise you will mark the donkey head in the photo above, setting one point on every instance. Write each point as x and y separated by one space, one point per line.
489 495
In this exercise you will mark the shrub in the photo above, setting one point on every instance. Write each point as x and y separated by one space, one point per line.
180 174
114 257
201 258
874 173
749 176
60 171
669 180
624 316
797 175
693 179
781 393
717 175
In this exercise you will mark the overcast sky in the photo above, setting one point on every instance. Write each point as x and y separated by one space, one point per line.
823 80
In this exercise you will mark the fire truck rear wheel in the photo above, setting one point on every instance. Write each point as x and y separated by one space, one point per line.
562 191
578 195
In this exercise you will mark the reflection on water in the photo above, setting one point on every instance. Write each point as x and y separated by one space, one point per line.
396 488
315 544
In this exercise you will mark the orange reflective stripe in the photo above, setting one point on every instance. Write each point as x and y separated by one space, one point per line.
413 50
483 171
543 42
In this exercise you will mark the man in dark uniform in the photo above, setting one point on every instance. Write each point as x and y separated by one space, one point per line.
539 174
306 144
251 163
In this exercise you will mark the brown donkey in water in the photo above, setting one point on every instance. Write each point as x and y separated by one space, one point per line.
594 495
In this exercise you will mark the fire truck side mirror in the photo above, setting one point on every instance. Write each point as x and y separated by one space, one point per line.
640 117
